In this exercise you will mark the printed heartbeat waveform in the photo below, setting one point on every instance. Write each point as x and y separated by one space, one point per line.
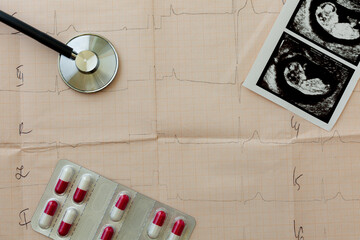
256 136
174 76
258 196
234 11
57 90
72 27
239 140
48 146
172 12
322 141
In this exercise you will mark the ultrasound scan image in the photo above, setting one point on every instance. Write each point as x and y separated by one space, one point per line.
332 24
305 78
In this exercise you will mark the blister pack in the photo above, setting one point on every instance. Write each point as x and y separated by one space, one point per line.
80 204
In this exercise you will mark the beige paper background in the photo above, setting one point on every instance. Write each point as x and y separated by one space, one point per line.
176 124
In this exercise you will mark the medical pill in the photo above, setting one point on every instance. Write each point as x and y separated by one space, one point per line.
107 233
48 214
156 225
64 179
177 230
82 188
119 208
67 221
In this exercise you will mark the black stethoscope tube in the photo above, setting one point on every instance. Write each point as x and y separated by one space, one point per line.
39 36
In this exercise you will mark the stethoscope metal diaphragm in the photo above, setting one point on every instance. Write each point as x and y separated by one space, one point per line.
87 63
95 65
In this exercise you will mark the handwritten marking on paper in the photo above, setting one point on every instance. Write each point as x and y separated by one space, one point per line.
14 15
23 220
295 126
22 131
295 179
20 75
20 173
299 233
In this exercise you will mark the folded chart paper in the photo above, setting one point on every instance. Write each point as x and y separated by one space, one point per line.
177 124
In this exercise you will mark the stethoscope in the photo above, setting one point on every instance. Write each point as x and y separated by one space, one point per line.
87 63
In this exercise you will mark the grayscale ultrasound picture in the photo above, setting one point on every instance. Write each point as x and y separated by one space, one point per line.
305 78
332 24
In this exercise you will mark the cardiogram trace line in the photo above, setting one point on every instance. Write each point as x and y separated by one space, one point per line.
174 75
233 11
31 147
321 141
236 14
58 91
74 28
55 90
258 196
172 12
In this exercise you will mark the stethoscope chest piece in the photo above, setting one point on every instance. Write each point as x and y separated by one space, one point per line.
93 67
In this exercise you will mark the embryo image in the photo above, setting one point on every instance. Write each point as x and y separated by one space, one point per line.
295 74
332 24
337 21
305 77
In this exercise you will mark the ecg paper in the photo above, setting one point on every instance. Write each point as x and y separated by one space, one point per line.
176 123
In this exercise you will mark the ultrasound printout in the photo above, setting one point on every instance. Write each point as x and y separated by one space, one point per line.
311 58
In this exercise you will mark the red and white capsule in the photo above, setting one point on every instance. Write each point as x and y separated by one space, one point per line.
67 221
83 187
48 214
107 233
64 179
177 230
157 223
118 210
